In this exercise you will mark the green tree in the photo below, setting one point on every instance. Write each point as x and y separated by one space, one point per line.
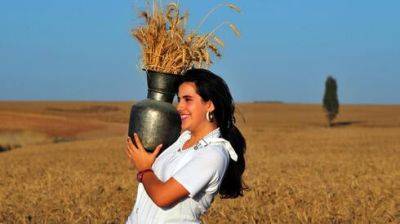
330 101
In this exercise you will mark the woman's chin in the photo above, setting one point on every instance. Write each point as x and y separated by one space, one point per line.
184 125
184 128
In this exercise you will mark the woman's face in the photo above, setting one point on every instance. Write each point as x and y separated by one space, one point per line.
191 107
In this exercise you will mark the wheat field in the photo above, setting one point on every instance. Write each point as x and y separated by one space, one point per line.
64 162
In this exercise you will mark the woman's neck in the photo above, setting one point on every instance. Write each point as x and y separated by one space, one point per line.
200 133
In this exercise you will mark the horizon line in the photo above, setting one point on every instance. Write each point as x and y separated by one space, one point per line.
236 102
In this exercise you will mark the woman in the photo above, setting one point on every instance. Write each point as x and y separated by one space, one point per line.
208 158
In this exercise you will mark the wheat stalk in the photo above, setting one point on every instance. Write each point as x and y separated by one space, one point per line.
167 47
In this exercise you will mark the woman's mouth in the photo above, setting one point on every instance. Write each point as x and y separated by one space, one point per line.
184 116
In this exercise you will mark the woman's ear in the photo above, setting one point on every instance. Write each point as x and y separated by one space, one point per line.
210 106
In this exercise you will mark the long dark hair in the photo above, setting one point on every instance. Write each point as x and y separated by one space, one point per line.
212 87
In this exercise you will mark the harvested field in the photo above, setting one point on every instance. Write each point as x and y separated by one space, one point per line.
298 170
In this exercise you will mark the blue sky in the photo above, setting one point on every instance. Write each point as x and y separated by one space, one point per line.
82 50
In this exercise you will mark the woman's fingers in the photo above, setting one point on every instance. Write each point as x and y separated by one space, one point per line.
130 148
138 142
130 144
157 150
128 153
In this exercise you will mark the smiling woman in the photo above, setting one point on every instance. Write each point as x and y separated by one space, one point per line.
192 108
180 184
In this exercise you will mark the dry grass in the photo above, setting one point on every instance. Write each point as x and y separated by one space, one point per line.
166 44
16 139
299 170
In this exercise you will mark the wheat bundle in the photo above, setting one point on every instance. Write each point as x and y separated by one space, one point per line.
168 48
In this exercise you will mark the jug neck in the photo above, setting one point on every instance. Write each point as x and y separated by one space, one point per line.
162 86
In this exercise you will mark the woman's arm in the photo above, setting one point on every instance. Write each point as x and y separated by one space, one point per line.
163 194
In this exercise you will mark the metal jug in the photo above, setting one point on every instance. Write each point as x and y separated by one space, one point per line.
155 119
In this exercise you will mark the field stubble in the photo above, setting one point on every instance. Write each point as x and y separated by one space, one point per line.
298 170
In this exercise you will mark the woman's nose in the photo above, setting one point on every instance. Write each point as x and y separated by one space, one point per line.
179 106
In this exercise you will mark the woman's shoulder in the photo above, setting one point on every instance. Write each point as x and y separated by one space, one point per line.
213 152
213 158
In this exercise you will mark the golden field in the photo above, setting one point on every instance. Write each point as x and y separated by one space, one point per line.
67 164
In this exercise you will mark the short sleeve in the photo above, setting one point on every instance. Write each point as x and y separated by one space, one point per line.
204 171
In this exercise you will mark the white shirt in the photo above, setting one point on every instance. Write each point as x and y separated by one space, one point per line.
199 169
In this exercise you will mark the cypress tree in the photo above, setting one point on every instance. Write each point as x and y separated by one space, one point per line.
330 101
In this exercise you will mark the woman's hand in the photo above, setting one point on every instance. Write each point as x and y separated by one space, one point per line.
138 156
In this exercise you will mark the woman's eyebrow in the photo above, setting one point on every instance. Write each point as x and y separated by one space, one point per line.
185 97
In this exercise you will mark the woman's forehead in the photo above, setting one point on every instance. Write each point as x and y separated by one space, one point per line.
187 88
